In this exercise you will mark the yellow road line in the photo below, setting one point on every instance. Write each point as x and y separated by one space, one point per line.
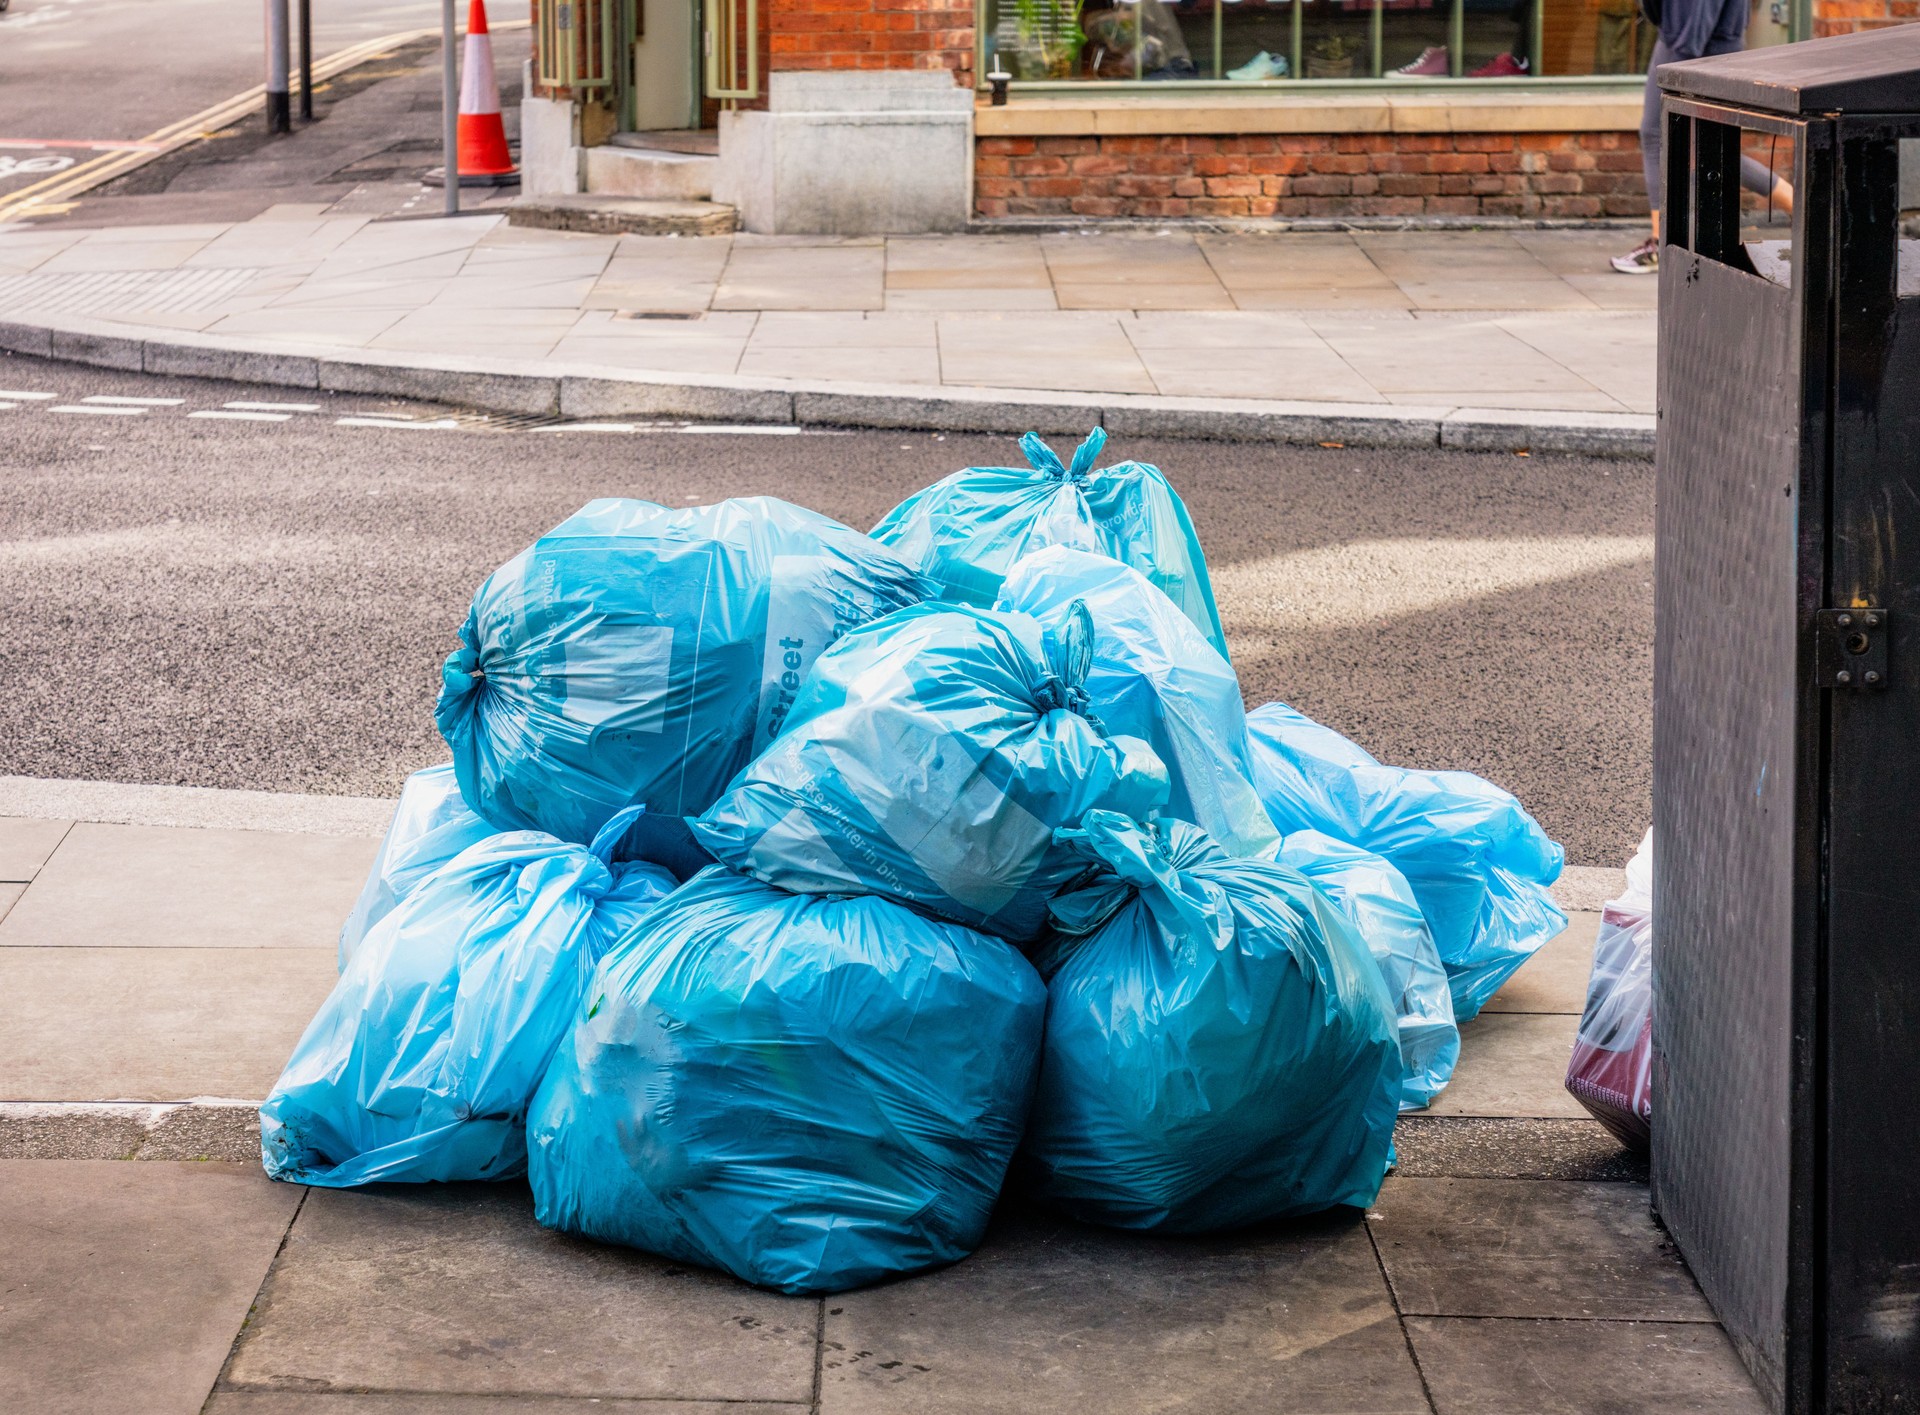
44 197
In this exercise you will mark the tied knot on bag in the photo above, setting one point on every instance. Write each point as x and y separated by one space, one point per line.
461 673
1070 659
1044 459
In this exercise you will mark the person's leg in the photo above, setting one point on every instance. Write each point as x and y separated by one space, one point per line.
1653 134
1644 259
1756 178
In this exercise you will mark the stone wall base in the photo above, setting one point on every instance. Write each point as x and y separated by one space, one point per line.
1567 175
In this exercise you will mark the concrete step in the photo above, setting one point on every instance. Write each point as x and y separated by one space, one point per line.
702 142
650 173
618 215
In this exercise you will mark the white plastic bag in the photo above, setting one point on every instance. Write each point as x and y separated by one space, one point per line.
1611 1072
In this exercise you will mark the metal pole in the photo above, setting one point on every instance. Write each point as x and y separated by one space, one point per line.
279 110
450 107
306 61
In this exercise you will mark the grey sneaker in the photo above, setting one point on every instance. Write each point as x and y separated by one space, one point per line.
1643 259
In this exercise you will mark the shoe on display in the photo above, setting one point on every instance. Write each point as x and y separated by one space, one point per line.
1507 66
1261 66
1432 63
1643 259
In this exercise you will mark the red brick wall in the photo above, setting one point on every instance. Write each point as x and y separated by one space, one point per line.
1849 16
1373 174
871 34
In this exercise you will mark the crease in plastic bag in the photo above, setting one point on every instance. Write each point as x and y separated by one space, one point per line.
422 1061
431 825
640 655
966 531
1379 902
810 1092
1220 1047
1611 1070
1155 676
928 758
1480 866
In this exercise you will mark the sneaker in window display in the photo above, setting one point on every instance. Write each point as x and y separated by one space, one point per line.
1432 63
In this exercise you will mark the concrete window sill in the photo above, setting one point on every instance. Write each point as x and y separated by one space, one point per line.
1555 109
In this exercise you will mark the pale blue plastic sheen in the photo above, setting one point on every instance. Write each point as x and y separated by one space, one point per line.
1154 676
1478 863
430 826
421 1063
640 655
1220 1047
811 1092
928 758
967 530
1380 902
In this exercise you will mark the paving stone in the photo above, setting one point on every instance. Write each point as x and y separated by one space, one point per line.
153 1024
10 896
125 1283
1555 978
249 1402
1469 1147
1052 1316
1513 1063
25 845
1527 1248
1580 1368
453 1289
139 886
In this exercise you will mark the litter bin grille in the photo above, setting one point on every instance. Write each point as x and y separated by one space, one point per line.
1726 688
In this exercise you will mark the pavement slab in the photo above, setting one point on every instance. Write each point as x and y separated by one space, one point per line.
154 1024
125 1283
453 1289
1554 980
1513 1064
1049 1315
134 886
1523 1248
26 844
1522 1367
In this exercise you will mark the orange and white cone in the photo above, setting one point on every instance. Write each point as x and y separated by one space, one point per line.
483 156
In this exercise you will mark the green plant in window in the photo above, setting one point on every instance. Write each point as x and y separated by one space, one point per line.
1048 39
1333 57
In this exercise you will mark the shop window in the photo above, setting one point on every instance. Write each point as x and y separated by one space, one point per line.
1281 41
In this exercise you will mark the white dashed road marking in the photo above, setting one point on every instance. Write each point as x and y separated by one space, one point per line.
27 397
97 411
242 417
246 407
116 401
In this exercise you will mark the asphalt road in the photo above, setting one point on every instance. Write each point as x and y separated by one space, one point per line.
80 71
265 604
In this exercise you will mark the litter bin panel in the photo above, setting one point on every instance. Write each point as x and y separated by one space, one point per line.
1871 982
1728 695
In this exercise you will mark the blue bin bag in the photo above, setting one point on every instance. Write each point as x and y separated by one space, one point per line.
1220 1047
810 1092
966 531
1155 677
1478 863
928 759
640 655
421 1063
1380 903
430 826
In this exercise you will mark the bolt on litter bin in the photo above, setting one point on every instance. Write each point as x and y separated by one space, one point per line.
1786 1143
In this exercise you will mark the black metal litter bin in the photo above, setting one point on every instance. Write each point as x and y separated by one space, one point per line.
1787 719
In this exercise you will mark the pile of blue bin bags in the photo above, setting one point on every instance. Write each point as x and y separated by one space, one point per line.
792 892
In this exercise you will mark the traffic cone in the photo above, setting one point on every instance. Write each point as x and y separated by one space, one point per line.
484 159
